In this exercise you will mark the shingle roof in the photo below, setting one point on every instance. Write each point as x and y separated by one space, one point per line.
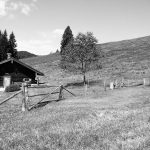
23 64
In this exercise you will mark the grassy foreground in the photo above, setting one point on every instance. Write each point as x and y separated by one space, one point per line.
111 120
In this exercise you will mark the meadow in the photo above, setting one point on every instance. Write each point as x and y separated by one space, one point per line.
93 120
111 120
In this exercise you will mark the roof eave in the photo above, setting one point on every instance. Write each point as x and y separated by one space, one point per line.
24 64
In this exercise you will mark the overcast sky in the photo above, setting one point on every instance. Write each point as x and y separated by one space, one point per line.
39 24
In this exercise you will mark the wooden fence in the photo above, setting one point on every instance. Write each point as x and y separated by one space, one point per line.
116 83
120 83
25 96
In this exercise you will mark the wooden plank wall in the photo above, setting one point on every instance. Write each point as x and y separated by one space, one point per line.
1 81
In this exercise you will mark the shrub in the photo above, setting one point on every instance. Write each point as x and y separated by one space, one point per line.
12 88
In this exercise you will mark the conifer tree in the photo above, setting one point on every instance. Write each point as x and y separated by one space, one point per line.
4 45
1 51
66 39
7 45
12 45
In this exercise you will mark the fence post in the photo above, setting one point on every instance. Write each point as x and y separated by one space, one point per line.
85 89
26 95
111 85
37 81
104 84
122 82
146 81
61 93
24 99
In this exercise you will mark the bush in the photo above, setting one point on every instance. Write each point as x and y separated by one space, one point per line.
12 88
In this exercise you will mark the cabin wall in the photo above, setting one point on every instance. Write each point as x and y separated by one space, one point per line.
1 81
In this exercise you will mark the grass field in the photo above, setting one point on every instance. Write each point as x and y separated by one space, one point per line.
93 120
111 120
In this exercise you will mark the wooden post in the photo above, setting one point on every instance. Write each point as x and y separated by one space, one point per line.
26 95
111 85
88 83
104 84
61 92
122 82
85 89
146 81
38 81
24 99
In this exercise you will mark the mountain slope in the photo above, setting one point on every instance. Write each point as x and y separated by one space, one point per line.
142 42
128 59
25 54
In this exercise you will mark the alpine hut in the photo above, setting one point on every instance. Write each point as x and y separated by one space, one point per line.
12 71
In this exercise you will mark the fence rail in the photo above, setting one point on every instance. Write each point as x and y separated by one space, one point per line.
25 95
116 83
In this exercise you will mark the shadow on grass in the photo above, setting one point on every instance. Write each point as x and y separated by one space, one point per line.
80 84
44 103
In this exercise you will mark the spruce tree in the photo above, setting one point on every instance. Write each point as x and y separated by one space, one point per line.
4 45
12 45
1 51
66 39
7 45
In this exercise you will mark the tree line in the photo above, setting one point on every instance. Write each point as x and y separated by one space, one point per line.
79 53
7 45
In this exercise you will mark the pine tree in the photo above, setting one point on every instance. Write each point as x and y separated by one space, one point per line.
4 45
66 39
1 46
7 46
12 46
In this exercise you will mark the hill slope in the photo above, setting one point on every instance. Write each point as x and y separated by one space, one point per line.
138 43
94 119
25 54
128 59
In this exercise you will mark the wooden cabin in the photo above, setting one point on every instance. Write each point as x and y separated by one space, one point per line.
13 70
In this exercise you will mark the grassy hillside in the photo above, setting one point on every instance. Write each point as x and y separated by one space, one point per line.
129 59
93 120
138 43
42 59
25 54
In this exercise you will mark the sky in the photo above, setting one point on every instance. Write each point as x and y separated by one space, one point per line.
39 24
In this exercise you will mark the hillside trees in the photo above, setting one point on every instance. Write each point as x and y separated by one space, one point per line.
12 45
82 54
7 45
1 50
66 39
3 45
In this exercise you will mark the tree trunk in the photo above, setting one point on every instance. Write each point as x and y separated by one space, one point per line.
83 71
84 79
